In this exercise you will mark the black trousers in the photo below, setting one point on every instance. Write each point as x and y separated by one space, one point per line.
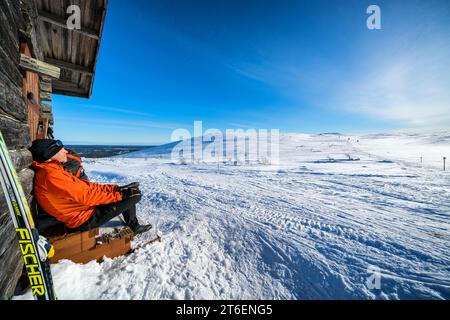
106 212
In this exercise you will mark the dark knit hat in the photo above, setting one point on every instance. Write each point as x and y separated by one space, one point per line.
42 150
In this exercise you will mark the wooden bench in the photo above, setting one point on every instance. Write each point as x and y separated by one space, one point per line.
112 241
83 247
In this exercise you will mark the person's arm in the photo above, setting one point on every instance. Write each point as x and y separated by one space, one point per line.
80 191
106 187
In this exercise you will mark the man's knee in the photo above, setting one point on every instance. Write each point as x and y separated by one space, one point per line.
131 201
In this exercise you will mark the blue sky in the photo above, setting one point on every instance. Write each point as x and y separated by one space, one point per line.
297 66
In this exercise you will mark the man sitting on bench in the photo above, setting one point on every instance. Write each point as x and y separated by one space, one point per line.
81 205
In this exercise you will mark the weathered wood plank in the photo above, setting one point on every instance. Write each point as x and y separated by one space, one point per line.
71 92
21 158
45 86
61 22
11 10
26 177
46 79
45 96
48 117
11 100
10 68
69 66
29 12
45 116
68 88
39 67
16 134
6 226
43 127
12 266
45 108
9 35
102 25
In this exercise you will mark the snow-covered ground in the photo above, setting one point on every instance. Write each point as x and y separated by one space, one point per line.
337 211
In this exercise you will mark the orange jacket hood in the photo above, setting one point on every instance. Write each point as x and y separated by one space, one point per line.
67 198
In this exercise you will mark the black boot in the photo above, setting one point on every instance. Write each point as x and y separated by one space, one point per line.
138 229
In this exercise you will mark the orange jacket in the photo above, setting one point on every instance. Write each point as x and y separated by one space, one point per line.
67 198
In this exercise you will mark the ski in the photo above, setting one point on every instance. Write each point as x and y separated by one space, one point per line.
143 245
34 248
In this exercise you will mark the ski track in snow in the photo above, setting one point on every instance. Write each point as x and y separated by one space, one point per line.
306 230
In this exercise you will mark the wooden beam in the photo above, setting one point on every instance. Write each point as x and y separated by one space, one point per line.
66 84
42 128
45 96
45 108
102 24
69 89
46 79
72 93
69 66
48 116
34 65
62 22
45 86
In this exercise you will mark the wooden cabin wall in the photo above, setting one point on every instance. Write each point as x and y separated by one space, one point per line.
31 85
17 20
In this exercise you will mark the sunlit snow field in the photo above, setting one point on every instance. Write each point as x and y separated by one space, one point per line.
316 227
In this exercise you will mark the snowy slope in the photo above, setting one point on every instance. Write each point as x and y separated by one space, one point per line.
309 229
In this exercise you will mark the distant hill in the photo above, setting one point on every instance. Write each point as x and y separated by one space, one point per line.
102 151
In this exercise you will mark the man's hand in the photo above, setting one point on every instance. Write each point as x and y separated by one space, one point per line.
134 185
131 193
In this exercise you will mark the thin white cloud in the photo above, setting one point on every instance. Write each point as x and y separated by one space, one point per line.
410 88
108 108
123 124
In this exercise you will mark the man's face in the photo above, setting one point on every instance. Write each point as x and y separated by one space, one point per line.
61 156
